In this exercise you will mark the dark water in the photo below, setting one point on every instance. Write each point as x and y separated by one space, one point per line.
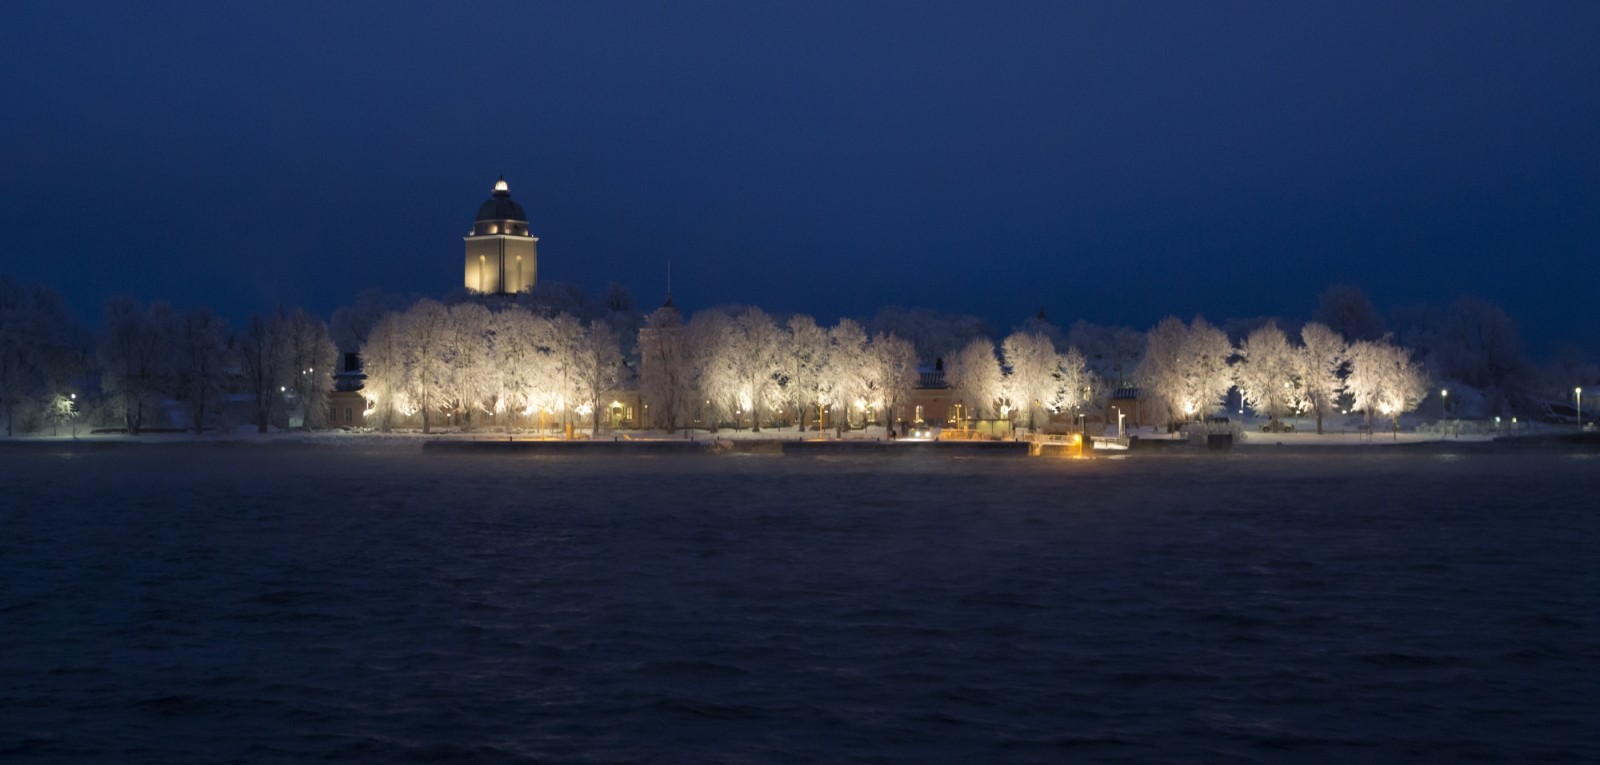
345 604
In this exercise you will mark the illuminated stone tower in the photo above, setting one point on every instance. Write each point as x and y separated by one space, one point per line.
502 257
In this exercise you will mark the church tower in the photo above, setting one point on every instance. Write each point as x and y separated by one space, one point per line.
502 257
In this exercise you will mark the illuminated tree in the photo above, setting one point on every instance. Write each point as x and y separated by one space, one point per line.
1320 360
474 360
427 333
974 376
597 368
1185 369
894 372
805 357
845 383
1267 372
1384 380
383 360
1032 376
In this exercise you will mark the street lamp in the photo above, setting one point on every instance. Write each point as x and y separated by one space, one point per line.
1577 397
1444 400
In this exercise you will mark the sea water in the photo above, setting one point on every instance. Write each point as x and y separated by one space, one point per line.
293 603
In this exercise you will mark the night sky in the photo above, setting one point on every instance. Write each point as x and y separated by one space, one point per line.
1110 163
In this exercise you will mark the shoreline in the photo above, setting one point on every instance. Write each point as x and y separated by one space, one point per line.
793 444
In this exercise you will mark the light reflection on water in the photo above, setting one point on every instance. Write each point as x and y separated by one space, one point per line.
198 605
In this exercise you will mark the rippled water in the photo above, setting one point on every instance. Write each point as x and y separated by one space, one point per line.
248 603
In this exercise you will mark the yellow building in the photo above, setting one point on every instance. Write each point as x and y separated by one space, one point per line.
502 257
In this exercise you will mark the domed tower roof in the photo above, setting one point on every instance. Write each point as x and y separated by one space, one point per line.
501 206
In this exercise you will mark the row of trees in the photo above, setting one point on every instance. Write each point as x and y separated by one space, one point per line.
553 352
148 355
743 366
470 366
1189 369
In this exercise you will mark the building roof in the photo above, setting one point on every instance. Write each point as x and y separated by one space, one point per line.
501 206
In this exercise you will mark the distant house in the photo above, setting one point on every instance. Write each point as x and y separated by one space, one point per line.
1128 403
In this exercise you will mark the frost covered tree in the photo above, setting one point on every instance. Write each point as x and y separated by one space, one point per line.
845 378
1185 368
261 360
1032 376
597 368
936 334
135 358
1267 372
666 381
893 374
1480 345
383 359
757 345
805 357
427 331
519 337
41 349
1384 380
474 361
1321 360
1077 382
201 345
712 368
974 376
307 366
1112 353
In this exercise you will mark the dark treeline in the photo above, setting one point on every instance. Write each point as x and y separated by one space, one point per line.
476 360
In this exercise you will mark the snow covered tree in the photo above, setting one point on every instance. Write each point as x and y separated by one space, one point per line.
598 367
201 345
519 337
473 362
1481 346
261 362
805 357
936 334
757 349
666 381
894 373
974 376
1077 382
42 349
1384 380
307 366
1032 379
1185 369
845 385
713 368
427 330
1112 353
1267 372
383 359
1321 360
135 358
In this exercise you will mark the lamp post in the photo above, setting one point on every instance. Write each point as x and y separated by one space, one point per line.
1577 398
1444 401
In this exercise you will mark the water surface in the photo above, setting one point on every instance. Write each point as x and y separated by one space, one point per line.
183 604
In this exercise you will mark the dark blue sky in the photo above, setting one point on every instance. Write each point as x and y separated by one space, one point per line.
1111 163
